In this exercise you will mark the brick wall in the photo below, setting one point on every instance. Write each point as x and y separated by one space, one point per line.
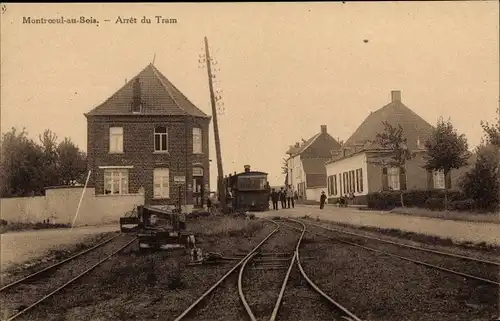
416 176
138 151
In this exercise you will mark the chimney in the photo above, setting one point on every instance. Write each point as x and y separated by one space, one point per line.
396 95
247 168
136 96
323 129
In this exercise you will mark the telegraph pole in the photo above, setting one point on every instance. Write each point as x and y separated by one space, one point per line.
220 173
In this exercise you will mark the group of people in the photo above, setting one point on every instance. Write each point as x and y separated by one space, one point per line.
284 196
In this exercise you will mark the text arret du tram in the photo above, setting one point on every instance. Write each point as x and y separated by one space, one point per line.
144 19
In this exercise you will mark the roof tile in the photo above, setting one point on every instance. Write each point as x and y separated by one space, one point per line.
158 96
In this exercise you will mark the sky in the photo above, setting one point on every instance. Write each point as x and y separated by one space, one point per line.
284 69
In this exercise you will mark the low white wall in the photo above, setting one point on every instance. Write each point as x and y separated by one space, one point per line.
60 205
314 194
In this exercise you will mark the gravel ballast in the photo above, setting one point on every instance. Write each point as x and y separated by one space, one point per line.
147 285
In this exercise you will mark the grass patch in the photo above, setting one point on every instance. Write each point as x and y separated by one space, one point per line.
18 226
450 215
422 238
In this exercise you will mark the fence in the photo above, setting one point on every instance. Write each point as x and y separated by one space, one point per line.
59 205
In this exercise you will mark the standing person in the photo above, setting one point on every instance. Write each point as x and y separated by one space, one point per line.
289 196
351 197
275 197
182 221
283 198
322 200
209 205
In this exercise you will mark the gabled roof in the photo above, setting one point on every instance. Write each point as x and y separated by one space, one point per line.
308 143
158 97
414 127
322 147
314 165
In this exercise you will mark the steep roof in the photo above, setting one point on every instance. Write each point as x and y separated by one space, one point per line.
415 128
321 148
158 96
314 165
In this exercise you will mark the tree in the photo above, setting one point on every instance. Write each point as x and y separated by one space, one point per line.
72 163
446 150
20 165
492 131
396 152
26 167
50 173
284 166
482 183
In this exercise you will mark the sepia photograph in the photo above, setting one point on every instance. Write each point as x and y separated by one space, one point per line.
250 161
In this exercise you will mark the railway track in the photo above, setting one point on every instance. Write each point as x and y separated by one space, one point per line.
254 256
25 294
438 260
267 277
428 291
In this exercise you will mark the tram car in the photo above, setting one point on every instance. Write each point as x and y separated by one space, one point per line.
248 190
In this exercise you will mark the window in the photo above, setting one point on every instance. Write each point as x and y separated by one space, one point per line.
352 181
197 171
359 180
438 178
116 181
116 139
334 184
344 179
161 178
197 144
263 183
393 178
161 139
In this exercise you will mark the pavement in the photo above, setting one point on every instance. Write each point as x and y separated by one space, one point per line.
458 231
19 247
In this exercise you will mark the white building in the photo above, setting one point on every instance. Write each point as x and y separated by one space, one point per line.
306 164
351 169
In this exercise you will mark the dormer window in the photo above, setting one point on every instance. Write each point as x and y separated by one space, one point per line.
137 109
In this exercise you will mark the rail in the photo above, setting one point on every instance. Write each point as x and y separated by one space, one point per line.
410 246
26 278
433 266
68 283
225 276
350 315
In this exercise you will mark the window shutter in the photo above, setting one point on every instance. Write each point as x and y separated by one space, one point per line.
385 179
447 180
402 178
430 179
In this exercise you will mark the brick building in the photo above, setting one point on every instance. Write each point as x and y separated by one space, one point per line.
148 137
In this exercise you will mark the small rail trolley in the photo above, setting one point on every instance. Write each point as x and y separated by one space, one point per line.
248 190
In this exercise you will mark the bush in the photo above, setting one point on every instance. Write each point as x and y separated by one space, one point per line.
417 198
482 182
462 205
435 203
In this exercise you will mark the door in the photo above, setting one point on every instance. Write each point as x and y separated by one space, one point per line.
198 187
